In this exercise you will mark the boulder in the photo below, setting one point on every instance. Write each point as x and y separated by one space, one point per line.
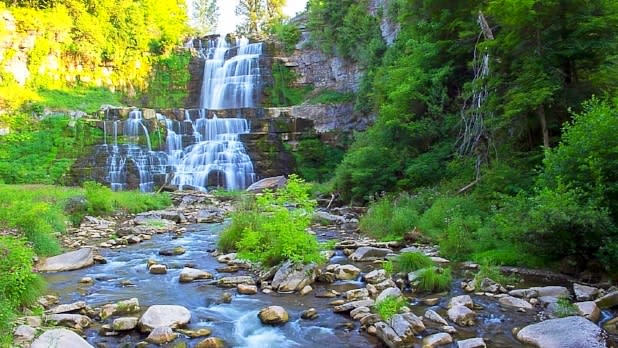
514 302
435 340
188 275
524 293
388 292
386 333
435 317
463 300
320 215
245 289
406 325
273 315
172 251
60 338
121 307
357 294
73 260
230 282
375 276
23 334
158 269
588 310
569 332
462 315
74 321
608 301
69 307
347 272
212 215
554 291
472 343
293 277
164 315
124 323
310 314
211 342
584 292
271 183
161 335
345 307
489 285
611 326
364 254
306 290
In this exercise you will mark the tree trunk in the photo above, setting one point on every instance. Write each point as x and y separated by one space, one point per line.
543 119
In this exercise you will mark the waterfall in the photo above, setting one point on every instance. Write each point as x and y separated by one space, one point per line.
201 150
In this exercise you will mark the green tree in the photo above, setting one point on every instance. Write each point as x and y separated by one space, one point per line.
258 16
205 16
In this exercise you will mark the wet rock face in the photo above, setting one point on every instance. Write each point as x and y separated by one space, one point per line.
273 315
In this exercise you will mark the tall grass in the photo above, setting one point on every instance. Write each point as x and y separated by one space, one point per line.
390 218
434 279
410 262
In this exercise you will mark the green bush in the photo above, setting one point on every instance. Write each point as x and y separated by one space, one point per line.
410 262
390 218
287 34
283 92
99 198
135 202
327 96
564 308
19 286
274 229
315 160
433 279
390 306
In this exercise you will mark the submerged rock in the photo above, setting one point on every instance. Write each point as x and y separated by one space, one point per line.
569 332
68 261
273 315
310 314
60 338
436 340
472 343
188 275
164 315
161 335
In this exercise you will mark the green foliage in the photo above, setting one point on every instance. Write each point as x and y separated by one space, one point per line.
410 262
433 279
167 85
564 308
135 202
99 198
390 218
273 228
41 151
282 92
390 306
287 35
87 99
327 96
19 286
389 267
489 270
316 160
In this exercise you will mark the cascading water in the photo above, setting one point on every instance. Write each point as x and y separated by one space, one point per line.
199 151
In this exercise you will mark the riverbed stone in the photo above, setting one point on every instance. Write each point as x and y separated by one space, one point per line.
364 254
211 342
73 260
476 342
386 333
245 289
347 272
188 275
210 215
226 258
611 326
462 315
172 251
293 277
569 332
23 334
489 285
608 301
328 293
351 305
462 300
432 315
124 323
230 282
161 335
356 294
406 325
273 315
436 340
584 292
158 269
588 310
524 293
310 314
164 315
74 321
375 276
68 307
388 292
203 332
60 338
554 291
514 302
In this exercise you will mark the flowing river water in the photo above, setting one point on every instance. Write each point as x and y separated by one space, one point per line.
125 275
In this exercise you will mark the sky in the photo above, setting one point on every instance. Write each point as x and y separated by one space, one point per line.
228 21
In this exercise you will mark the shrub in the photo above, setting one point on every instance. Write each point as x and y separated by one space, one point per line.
390 218
564 308
287 34
433 279
315 160
390 306
19 286
489 270
274 229
136 202
99 198
410 262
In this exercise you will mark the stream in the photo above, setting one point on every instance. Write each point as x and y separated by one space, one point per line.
125 275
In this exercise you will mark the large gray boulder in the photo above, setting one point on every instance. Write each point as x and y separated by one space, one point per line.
369 254
569 332
514 302
164 315
584 292
462 315
271 183
77 259
291 277
60 338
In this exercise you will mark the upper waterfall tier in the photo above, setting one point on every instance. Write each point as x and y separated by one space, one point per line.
231 75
